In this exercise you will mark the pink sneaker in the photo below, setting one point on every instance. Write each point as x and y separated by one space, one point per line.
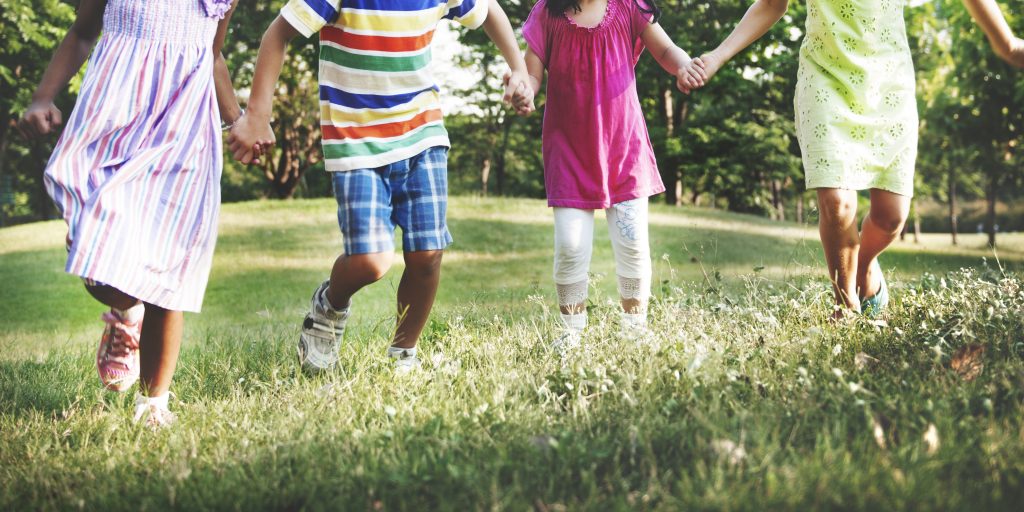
117 359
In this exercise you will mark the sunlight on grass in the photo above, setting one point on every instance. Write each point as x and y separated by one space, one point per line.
742 397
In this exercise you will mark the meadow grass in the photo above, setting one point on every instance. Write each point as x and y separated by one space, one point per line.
747 400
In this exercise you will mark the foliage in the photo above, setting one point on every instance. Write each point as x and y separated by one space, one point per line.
729 145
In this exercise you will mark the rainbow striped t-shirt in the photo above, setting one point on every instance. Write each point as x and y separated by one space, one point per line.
378 100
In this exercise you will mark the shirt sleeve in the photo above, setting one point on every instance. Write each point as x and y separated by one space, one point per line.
309 16
535 31
639 19
469 13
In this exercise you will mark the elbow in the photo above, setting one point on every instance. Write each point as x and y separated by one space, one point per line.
778 7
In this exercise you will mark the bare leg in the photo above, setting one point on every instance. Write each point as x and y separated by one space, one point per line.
159 346
882 225
416 294
839 238
352 273
111 296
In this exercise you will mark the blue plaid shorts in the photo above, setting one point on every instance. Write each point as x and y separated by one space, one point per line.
411 194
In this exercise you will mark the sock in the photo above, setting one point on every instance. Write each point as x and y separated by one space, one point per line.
401 353
576 322
142 401
326 304
634 320
132 315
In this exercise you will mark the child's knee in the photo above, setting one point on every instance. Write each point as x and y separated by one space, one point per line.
889 220
571 262
424 263
837 207
373 266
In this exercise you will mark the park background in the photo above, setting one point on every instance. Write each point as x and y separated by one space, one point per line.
748 400
729 146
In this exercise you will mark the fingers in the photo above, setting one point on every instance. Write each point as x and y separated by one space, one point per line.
55 117
40 125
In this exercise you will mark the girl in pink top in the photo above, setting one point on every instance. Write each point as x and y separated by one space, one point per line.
597 153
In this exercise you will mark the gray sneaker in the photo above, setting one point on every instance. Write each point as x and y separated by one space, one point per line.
405 359
322 332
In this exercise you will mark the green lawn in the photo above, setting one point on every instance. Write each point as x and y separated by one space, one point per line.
750 401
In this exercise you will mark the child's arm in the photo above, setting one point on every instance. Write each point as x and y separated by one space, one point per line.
499 30
253 130
990 19
226 100
522 100
42 116
672 58
759 18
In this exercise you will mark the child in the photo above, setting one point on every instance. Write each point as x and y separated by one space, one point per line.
384 144
857 125
136 174
597 153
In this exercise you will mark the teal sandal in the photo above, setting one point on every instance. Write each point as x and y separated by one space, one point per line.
872 307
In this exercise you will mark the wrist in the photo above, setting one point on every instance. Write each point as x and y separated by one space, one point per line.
257 113
227 124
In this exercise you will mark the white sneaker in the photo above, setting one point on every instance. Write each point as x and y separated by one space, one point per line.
568 342
405 359
322 332
636 331
153 412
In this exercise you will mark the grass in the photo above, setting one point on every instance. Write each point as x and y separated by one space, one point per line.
749 402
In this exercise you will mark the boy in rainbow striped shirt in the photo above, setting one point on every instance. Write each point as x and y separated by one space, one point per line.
385 144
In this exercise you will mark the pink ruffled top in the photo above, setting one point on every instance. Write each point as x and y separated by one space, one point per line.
595 144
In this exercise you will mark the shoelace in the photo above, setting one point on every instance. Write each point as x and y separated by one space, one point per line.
124 339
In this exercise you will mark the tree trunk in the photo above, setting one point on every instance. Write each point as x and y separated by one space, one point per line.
485 174
5 123
917 228
500 168
991 216
673 187
799 208
44 205
779 210
952 207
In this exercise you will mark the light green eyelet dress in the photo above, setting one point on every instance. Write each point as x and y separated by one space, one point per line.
856 109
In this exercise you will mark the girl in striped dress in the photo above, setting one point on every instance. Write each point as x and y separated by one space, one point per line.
136 174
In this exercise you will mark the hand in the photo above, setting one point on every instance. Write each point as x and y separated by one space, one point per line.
41 118
711 63
1016 57
518 92
250 136
691 76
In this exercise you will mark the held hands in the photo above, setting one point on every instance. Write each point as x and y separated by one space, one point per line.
41 118
518 92
691 76
697 73
250 136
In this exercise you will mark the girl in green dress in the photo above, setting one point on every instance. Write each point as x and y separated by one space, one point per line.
856 119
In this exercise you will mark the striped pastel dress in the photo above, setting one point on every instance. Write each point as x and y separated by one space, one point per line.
136 172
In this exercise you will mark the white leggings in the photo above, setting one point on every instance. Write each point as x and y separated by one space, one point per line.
574 245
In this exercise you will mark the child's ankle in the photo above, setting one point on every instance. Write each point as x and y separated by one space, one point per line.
575 321
401 352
